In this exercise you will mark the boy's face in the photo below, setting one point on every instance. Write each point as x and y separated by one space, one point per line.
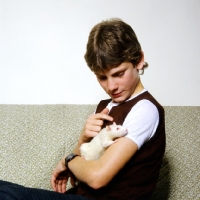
120 82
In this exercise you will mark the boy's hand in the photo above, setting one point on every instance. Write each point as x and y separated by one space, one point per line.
94 124
60 177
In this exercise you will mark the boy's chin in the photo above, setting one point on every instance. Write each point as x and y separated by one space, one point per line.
119 100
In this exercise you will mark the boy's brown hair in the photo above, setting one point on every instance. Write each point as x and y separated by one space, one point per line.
110 43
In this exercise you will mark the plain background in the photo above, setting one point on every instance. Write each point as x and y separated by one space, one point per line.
42 47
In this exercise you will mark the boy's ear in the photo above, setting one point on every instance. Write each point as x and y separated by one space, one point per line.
141 63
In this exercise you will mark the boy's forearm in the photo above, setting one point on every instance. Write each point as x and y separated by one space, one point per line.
77 148
79 143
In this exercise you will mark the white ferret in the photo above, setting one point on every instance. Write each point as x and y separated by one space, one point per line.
94 149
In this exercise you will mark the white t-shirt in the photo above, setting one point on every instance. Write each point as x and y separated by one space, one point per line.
141 122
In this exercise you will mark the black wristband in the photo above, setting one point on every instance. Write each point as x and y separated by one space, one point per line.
69 158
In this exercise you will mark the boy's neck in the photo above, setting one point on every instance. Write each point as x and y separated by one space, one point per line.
138 88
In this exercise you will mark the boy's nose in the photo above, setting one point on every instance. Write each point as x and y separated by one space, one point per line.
111 85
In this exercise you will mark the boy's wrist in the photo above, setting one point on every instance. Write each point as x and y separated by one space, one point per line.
69 158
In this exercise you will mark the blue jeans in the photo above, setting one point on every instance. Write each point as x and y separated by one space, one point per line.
11 191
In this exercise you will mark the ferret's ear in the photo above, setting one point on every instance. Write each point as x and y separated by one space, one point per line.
108 128
114 123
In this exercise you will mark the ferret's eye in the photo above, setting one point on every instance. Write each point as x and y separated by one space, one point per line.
117 128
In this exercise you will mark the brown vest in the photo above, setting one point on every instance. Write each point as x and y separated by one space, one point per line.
137 180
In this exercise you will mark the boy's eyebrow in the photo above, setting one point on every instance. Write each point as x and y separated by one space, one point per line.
120 71
98 74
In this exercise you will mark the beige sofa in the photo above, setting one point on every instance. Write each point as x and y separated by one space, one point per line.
34 137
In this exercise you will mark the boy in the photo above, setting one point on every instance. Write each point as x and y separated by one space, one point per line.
129 168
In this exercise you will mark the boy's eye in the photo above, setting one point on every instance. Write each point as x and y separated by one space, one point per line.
119 74
101 77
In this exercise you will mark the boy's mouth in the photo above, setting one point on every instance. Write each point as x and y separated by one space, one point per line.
115 95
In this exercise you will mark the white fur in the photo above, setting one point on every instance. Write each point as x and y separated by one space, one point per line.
97 146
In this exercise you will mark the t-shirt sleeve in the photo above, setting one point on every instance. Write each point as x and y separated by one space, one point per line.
142 122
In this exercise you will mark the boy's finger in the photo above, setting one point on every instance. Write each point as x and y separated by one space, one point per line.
105 111
106 116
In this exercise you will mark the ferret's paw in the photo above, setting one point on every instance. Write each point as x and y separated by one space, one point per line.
107 144
116 140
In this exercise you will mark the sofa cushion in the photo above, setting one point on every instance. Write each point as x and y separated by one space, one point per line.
180 172
33 138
